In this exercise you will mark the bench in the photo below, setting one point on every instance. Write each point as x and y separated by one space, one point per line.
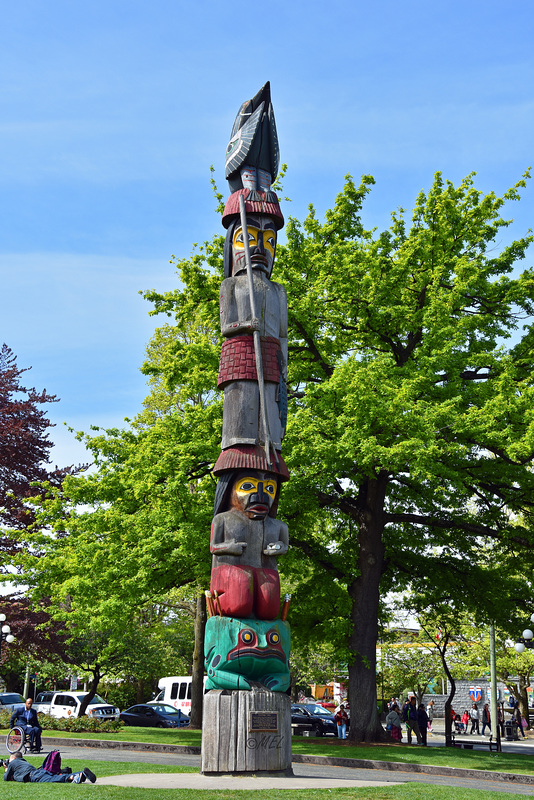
465 745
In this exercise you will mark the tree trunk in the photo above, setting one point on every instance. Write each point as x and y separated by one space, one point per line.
522 698
140 691
294 692
197 680
448 701
364 592
91 693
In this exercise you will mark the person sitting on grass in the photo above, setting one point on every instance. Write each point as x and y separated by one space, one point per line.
18 769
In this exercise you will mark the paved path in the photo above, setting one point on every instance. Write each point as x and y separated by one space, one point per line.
305 775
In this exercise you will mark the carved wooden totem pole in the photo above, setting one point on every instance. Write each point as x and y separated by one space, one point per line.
247 717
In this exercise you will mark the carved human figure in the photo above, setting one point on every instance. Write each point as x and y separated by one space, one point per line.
237 373
245 543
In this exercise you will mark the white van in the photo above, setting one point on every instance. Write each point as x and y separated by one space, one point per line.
176 691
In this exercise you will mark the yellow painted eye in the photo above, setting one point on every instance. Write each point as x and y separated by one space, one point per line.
247 637
270 488
246 486
273 637
238 238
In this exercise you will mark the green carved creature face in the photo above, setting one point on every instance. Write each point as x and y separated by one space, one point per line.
255 650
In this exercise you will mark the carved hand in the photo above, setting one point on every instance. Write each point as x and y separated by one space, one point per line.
275 549
246 326
235 548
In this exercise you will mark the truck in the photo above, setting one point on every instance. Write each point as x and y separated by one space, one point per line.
176 691
67 704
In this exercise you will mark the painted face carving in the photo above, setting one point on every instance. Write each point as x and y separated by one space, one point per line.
253 493
240 651
261 233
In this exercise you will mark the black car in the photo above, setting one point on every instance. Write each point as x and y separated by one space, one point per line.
155 715
10 701
314 718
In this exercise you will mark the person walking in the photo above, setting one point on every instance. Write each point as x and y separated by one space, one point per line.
465 721
341 719
500 718
422 720
516 714
486 718
394 723
474 717
409 716
430 714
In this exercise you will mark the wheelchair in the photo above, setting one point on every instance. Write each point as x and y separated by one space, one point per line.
18 740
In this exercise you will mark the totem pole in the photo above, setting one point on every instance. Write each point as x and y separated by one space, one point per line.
247 718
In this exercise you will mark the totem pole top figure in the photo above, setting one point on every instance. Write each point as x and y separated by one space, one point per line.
252 158
253 144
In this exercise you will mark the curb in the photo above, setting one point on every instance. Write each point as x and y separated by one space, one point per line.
426 769
330 761
103 744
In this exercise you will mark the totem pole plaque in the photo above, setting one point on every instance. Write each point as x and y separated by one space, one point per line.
247 716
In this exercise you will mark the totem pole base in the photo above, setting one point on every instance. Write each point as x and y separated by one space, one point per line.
246 731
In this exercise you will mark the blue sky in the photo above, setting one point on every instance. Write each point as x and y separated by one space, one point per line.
111 114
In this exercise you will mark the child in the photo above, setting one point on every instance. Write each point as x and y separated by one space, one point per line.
465 720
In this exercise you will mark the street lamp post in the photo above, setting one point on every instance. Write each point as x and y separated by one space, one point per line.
495 730
526 641
5 634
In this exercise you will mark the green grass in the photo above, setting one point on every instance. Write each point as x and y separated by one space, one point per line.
183 736
408 791
437 756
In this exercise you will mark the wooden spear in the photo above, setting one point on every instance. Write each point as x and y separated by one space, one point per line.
256 334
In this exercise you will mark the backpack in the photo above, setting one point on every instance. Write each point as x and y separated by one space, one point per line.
52 763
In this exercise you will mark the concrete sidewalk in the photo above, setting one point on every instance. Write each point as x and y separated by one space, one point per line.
228 782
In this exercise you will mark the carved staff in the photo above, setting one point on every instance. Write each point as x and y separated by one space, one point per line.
256 334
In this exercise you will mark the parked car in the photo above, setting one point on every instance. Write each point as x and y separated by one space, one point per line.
67 704
313 717
155 715
11 701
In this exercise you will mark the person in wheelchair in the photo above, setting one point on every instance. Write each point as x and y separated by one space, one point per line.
27 719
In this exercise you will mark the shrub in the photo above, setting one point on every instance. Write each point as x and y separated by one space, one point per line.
5 718
79 724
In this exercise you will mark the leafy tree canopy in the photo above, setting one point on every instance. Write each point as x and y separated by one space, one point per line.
411 421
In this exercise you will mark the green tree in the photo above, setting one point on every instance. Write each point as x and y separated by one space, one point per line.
513 669
410 433
411 421
409 665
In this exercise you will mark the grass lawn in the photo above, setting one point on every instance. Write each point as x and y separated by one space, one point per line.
131 734
408 791
331 746
438 756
